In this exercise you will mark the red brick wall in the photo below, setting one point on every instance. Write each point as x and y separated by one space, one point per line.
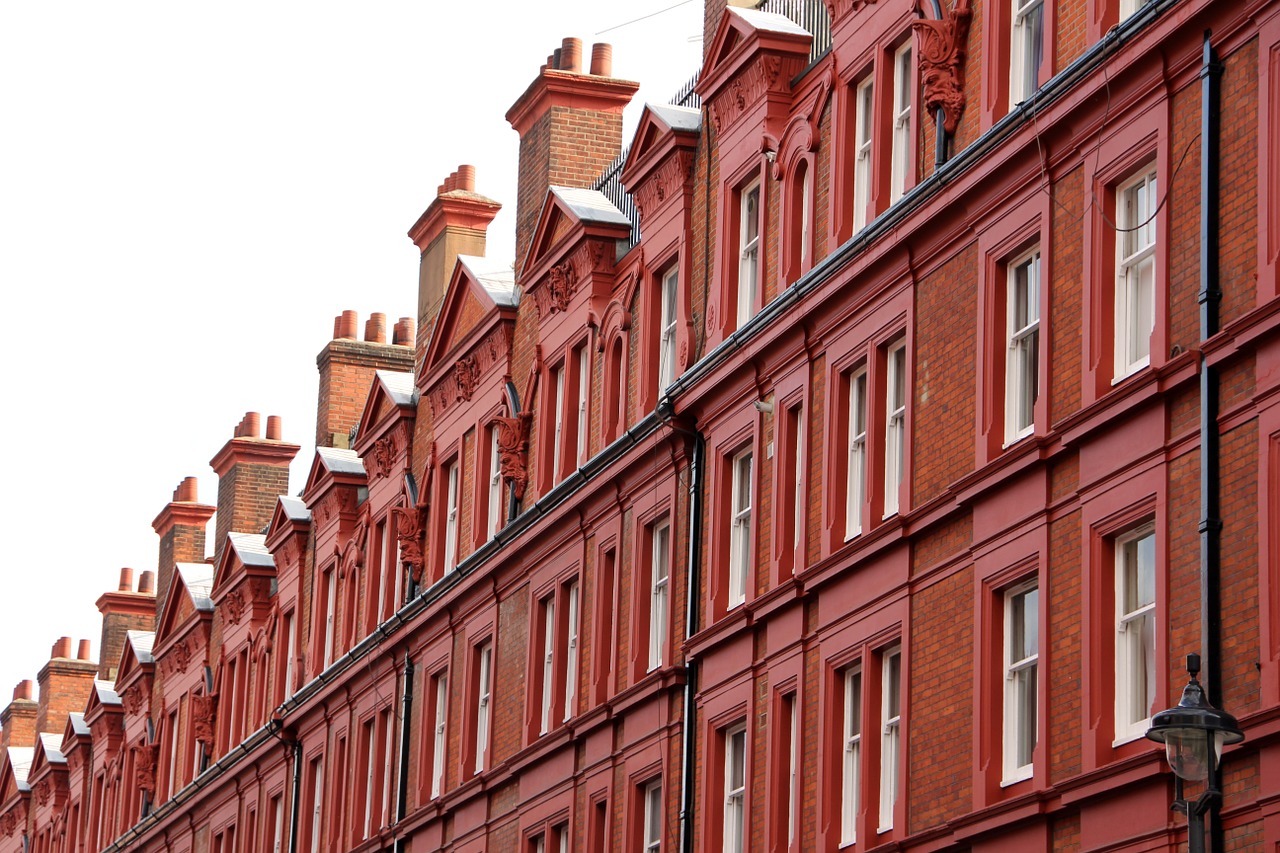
346 373
1066 288
247 497
1238 165
1065 617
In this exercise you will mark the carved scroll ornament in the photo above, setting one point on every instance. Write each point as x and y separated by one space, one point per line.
513 450
145 766
204 711
942 56
411 523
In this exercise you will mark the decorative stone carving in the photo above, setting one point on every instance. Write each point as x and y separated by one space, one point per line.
837 9
204 710
513 450
411 525
233 607
8 823
382 456
466 375
667 180
747 88
562 281
145 766
942 55
43 790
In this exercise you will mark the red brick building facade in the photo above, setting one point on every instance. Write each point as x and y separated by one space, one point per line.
826 475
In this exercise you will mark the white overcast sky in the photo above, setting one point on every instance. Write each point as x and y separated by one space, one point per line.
189 193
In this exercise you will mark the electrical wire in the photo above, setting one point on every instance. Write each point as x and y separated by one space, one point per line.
643 18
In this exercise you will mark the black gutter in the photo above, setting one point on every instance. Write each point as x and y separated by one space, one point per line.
693 597
1210 299
402 782
297 793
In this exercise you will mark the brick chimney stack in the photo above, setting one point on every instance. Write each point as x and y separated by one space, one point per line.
253 472
455 223
125 609
346 367
19 718
65 682
182 527
570 126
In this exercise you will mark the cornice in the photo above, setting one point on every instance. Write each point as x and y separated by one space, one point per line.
455 209
570 89
184 513
253 451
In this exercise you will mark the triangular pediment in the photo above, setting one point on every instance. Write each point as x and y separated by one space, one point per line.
290 515
477 288
189 592
569 213
332 466
135 658
391 398
762 50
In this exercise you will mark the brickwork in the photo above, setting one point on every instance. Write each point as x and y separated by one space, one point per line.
1184 220
1241 636
1067 289
944 367
1066 538
1070 32
1238 167
346 372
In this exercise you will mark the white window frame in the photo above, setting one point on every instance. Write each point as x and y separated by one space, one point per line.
1027 49
1136 238
371 745
900 158
484 696
1136 666
388 762
571 651
667 293
653 817
1130 7
740 527
806 219
1022 334
890 733
439 731
494 521
864 127
277 809
1021 679
735 788
748 250
548 662
557 439
330 615
798 467
659 592
856 470
583 358
317 804
291 646
851 756
895 432
453 476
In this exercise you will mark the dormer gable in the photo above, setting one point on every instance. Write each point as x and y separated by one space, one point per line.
134 677
102 713
14 772
385 435
748 71
659 166
188 594
289 527
579 238
48 774
242 582
473 341
335 490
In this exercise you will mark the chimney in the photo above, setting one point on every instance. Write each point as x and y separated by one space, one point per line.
19 718
453 224
570 127
346 366
125 610
252 473
181 526
65 682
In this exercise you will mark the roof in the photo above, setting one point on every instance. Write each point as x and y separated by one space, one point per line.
591 205
142 641
106 690
78 725
770 22
294 508
678 118
198 579
251 549
499 281
52 744
20 760
400 385
340 460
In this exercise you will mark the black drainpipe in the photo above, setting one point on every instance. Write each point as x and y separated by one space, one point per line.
693 600
297 792
1210 298
402 792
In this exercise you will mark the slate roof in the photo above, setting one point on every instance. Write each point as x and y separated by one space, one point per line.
591 205
142 641
498 281
340 460
251 549
677 118
52 744
107 694
198 579
769 21
399 384
20 760
295 508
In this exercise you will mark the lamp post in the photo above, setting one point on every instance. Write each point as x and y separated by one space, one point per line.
1193 734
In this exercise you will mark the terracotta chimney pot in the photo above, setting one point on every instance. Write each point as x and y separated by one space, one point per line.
274 428
348 328
82 653
126 580
467 178
147 583
188 490
62 648
24 690
602 60
571 55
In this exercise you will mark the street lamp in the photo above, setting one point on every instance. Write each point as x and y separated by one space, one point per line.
1193 734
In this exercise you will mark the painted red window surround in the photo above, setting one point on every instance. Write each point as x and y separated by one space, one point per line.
868 656
799 193
486 465
448 455
550 588
1012 561
1268 532
1126 148
1269 159
726 708
614 400
653 508
1001 242
732 437
791 412
1138 499
643 769
865 346
435 662
477 743
566 359
670 255
786 742
997 60
751 174
604 609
